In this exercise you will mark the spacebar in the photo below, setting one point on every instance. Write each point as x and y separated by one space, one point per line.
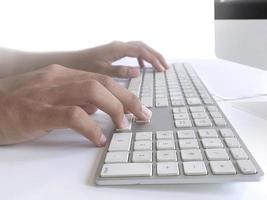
126 169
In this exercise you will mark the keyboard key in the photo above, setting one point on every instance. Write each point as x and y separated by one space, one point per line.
200 115
197 109
232 142
246 167
163 135
216 154
202 122
212 108
161 102
226 132
177 102
120 142
165 144
191 155
142 156
117 157
195 168
207 133
179 110
219 121
183 123
180 116
216 114
143 136
193 101
126 169
188 144
166 155
212 143
186 134
147 101
143 145
239 154
222 167
167 169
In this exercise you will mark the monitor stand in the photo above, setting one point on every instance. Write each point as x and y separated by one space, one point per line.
257 108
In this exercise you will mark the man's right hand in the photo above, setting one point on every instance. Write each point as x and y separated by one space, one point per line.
52 97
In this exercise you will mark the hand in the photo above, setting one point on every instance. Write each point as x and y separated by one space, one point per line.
100 59
52 97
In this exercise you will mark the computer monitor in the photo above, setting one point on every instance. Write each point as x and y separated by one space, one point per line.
241 31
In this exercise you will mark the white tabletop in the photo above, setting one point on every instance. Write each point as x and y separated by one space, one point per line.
62 164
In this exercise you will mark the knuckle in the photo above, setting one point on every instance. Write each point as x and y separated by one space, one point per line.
106 80
54 68
91 86
116 44
74 114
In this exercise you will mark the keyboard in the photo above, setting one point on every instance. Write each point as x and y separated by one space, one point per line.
187 140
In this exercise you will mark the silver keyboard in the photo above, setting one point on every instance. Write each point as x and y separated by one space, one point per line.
187 140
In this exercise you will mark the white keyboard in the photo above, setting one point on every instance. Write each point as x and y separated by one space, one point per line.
188 139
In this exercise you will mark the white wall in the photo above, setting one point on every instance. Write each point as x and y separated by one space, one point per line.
177 28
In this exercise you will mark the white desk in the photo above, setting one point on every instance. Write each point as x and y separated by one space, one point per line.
62 165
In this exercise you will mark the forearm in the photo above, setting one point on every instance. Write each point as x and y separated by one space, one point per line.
15 62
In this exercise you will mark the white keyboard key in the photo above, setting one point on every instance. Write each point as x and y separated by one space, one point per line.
239 153
222 167
188 144
167 169
120 142
186 134
193 101
200 115
183 123
207 133
207 101
212 108
220 121
202 122
216 154
166 155
212 143
179 110
143 136
232 142
180 116
246 167
195 168
197 109
129 118
177 102
191 155
226 132
126 170
162 102
117 157
143 145
216 114
165 144
147 101
163 135
142 156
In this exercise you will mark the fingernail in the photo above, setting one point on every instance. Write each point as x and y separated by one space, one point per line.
134 72
103 140
147 113
125 122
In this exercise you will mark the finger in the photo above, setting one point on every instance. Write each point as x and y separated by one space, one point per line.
157 54
84 92
130 101
121 71
54 117
89 108
141 62
138 51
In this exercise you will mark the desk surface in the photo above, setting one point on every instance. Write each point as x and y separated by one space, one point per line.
62 164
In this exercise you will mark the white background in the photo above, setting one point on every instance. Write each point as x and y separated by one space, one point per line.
177 28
